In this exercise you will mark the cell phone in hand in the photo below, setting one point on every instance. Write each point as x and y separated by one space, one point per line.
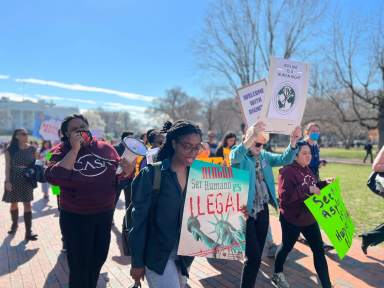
87 136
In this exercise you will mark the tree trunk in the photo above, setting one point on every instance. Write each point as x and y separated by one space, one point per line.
381 123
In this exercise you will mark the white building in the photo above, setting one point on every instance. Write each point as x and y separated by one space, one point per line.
14 114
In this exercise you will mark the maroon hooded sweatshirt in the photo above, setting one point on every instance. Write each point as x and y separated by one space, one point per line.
293 188
91 186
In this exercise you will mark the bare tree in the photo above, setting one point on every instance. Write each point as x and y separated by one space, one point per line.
358 61
226 116
176 105
95 120
117 122
323 111
240 35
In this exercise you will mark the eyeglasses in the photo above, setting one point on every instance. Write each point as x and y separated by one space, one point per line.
191 148
23 134
258 145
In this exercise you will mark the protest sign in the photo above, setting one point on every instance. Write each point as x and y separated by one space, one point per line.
213 160
286 95
46 127
251 101
330 212
226 152
213 225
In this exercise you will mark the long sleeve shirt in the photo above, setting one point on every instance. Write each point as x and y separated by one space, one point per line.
293 188
91 186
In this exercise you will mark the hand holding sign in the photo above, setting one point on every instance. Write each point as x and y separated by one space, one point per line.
295 136
314 190
333 217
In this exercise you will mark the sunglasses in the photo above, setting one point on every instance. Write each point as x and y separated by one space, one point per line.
258 145
23 134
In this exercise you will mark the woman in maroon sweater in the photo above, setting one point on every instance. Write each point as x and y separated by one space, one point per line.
296 183
85 170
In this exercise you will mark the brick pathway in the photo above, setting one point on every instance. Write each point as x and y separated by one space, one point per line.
40 263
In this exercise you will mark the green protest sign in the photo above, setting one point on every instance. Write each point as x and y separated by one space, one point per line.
55 189
330 212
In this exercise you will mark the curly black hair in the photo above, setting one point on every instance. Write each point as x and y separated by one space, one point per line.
174 132
64 125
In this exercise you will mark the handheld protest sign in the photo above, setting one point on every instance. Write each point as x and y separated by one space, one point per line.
331 214
286 95
251 99
213 224
214 160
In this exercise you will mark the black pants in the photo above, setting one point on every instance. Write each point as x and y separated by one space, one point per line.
313 236
374 237
61 225
369 153
87 238
127 194
255 235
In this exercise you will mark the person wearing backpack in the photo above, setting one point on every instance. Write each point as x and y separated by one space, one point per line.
157 217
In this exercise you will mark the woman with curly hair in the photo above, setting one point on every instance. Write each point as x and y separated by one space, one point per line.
157 217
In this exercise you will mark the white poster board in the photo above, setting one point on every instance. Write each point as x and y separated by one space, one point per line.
286 95
251 101
213 225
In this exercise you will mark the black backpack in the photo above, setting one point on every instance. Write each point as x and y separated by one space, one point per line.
376 183
127 221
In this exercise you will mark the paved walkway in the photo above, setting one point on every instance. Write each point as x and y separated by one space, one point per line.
40 263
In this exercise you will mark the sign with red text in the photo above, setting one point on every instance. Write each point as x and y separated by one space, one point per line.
213 224
251 100
46 127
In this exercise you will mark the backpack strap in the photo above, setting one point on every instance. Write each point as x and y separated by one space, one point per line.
156 177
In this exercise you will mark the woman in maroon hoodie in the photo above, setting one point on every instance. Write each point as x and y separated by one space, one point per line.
85 170
297 183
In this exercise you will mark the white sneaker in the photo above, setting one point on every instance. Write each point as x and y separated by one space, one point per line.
279 280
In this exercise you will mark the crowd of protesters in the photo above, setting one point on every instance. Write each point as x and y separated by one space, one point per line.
87 171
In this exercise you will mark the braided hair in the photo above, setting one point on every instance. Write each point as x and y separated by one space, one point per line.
174 132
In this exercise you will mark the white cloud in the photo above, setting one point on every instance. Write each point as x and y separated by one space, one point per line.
84 88
59 98
130 108
17 97
136 112
4 77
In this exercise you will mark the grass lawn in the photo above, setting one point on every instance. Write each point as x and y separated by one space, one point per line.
353 153
365 207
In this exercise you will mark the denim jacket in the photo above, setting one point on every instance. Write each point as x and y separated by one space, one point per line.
242 159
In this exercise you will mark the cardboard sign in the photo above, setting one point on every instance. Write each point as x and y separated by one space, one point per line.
213 224
286 95
330 212
251 99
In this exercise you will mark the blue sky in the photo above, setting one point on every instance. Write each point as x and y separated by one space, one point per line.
122 53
